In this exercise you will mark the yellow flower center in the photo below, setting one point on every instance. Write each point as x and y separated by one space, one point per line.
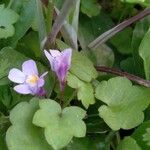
32 79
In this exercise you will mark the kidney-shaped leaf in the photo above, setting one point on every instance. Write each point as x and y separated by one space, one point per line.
125 103
60 125
128 144
23 135
142 135
7 18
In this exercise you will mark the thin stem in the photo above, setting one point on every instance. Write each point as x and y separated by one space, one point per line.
69 100
3 77
3 119
98 132
50 93
62 92
10 3
62 97
110 136
107 35
118 137
131 77
92 115
113 146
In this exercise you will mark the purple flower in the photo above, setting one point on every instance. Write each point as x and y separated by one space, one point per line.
60 63
28 79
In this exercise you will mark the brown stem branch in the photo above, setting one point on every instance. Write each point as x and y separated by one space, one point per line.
45 2
58 23
131 77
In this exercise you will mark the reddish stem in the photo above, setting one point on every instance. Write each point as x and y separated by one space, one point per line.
131 77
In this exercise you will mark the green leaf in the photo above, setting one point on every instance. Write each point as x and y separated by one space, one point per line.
81 143
145 54
16 98
146 3
40 21
141 135
8 62
146 136
10 98
59 125
125 103
82 67
142 2
85 91
96 142
138 33
30 46
2 143
17 5
91 28
94 123
22 134
4 67
127 65
5 96
101 56
27 15
6 25
128 143
90 7
61 45
119 41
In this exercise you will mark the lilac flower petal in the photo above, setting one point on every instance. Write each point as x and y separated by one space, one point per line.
41 82
60 63
57 59
22 89
56 64
16 76
44 74
61 72
55 53
41 92
50 58
34 89
48 55
29 67
64 65
67 54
